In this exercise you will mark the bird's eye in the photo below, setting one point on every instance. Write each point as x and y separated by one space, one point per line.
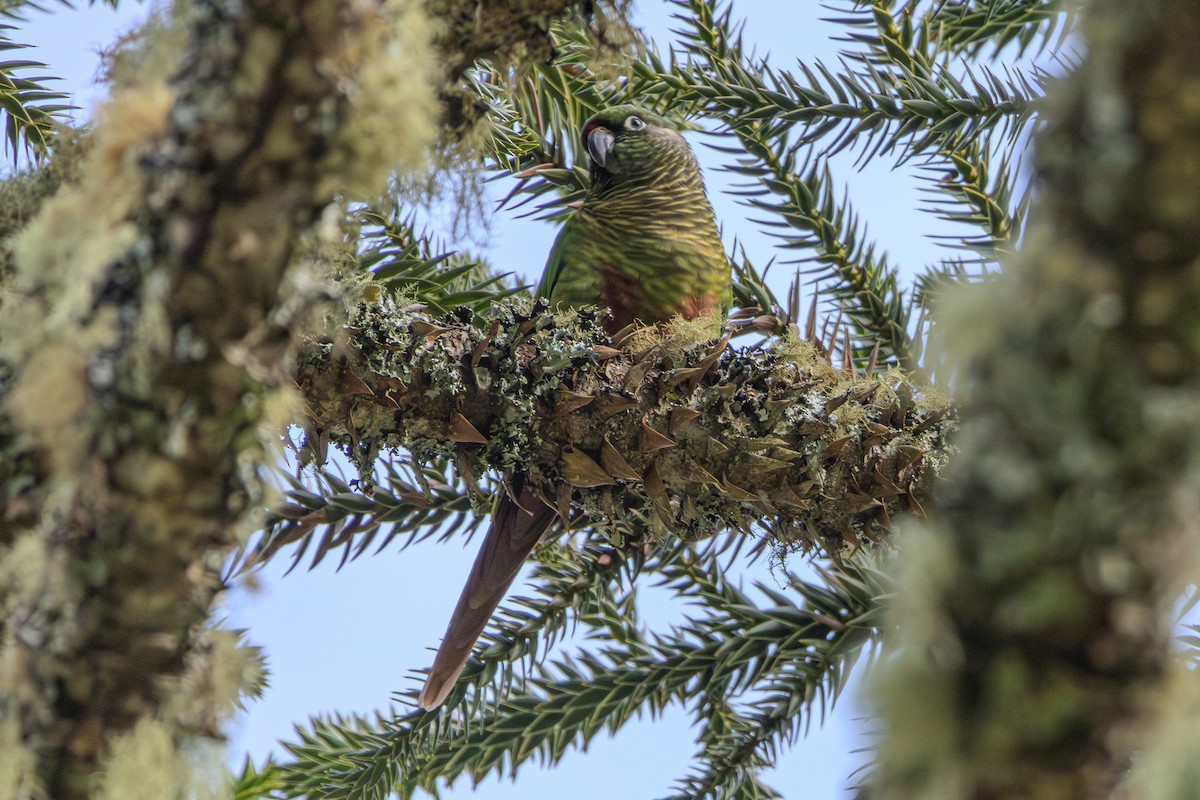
634 123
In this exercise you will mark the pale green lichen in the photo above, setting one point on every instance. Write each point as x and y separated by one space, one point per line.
394 107
221 671
40 606
144 764
145 55
22 194
49 320
18 767
1167 767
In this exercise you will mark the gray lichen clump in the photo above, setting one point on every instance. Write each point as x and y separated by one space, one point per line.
675 432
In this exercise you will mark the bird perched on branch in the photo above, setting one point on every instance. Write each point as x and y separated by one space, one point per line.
643 245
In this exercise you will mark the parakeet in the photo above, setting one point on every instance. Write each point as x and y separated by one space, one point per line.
644 245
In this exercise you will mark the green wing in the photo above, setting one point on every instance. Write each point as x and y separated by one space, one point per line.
559 258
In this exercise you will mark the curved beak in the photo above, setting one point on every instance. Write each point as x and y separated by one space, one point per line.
600 144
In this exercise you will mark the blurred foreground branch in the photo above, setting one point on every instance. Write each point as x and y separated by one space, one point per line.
136 326
1036 605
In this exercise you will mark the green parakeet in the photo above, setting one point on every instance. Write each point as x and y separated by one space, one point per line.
644 245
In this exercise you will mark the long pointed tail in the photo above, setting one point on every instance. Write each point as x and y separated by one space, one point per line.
514 532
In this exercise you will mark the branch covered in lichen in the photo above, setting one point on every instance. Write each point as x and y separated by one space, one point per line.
1035 609
139 361
675 430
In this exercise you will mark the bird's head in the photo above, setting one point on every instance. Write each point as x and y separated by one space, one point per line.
631 145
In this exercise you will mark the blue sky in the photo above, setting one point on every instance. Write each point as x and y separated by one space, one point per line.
343 641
